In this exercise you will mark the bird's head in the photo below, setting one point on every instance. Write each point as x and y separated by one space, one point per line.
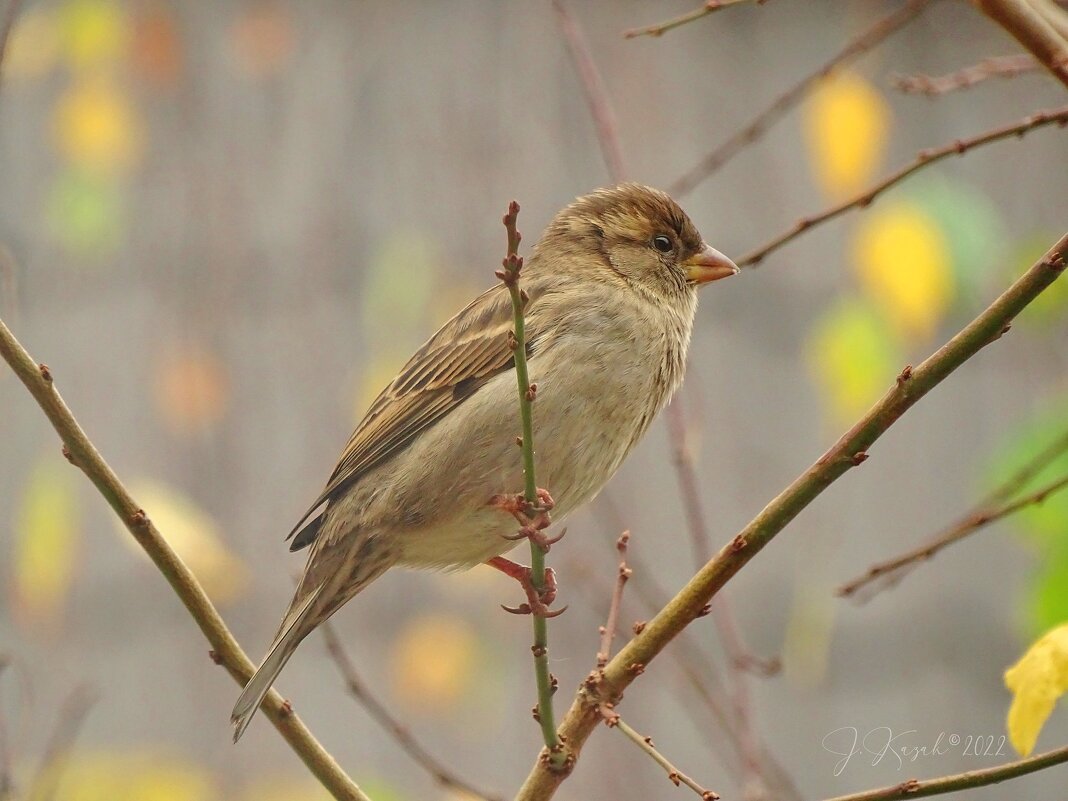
637 232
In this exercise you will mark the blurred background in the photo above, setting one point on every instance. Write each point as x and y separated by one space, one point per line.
225 225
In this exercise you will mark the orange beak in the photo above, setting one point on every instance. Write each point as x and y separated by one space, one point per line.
708 264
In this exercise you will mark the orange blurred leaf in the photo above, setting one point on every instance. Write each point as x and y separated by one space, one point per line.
263 39
192 389
433 660
157 48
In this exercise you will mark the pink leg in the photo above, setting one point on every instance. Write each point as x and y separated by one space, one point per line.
537 602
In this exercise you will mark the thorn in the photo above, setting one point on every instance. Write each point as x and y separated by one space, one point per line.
138 518
513 343
519 441
46 374
67 454
554 683
637 668
532 392
287 708
215 656
705 610
738 544
905 375
638 627
858 458
534 713
674 778
538 651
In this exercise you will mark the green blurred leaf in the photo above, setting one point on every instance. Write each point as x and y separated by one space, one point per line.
86 214
853 357
972 227
1048 603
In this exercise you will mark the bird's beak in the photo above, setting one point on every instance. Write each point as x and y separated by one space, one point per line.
708 264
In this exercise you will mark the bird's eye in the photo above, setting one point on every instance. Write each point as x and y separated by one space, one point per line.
662 243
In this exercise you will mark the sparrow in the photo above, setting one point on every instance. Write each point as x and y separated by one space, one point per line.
612 288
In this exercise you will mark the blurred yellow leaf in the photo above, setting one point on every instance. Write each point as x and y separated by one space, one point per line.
399 286
94 32
433 660
192 389
286 788
852 357
1036 681
131 776
194 536
905 265
33 47
46 543
846 122
263 39
85 214
96 128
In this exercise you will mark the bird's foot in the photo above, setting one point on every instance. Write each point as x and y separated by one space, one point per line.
538 600
533 518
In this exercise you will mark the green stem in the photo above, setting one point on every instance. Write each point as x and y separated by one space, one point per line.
540 649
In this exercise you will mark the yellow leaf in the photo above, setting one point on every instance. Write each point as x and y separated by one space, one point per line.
192 389
1036 681
33 47
96 128
852 357
286 788
845 122
433 662
46 543
905 265
131 776
379 372
194 536
94 32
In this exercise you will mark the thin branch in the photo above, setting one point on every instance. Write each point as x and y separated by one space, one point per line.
593 86
763 121
509 276
890 572
722 613
68 725
613 721
997 67
914 788
225 649
1057 116
1035 30
851 450
360 691
608 630
709 7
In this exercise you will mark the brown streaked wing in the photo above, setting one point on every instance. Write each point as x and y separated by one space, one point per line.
465 353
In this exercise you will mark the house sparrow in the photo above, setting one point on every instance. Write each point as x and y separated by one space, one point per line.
612 291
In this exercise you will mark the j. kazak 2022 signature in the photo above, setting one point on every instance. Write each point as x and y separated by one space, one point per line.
881 744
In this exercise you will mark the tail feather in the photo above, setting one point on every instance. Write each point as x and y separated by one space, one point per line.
289 637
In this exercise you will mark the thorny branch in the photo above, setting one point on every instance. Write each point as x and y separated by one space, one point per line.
890 572
997 67
764 120
613 721
850 451
557 755
608 630
38 380
709 7
914 788
1057 116
360 691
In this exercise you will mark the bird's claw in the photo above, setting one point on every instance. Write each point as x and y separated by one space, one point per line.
538 600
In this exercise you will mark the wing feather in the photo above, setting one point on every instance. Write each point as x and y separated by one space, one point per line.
465 353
